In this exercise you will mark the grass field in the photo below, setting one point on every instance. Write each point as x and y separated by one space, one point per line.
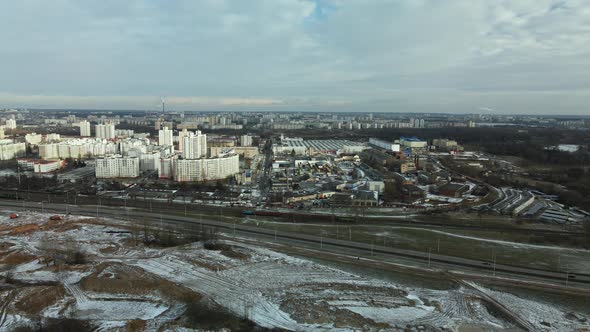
473 245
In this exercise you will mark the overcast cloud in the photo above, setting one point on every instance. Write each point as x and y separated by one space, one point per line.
511 56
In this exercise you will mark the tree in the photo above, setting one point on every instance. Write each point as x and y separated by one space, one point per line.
392 191
587 231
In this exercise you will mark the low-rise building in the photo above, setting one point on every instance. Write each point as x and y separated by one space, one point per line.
393 147
247 152
453 189
41 166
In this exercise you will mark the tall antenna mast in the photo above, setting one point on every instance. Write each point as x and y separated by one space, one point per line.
163 105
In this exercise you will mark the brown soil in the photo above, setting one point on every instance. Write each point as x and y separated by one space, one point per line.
313 312
207 264
32 300
24 229
5 245
61 226
109 249
345 287
123 279
236 254
136 325
16 258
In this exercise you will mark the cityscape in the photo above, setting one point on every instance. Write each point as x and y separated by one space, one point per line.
296 165
402 190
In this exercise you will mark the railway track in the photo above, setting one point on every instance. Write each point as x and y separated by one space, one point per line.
330 244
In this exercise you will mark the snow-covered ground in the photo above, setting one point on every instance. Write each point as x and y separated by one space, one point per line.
270 288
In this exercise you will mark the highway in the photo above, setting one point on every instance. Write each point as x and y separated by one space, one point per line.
317 242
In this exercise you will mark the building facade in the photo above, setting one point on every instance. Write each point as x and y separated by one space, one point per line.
105 131
194 170
11 150
117 167
84 128
165 137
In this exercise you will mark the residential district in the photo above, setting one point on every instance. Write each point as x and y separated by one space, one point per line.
172 221
263 160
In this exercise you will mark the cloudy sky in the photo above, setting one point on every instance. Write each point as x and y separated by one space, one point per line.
461 56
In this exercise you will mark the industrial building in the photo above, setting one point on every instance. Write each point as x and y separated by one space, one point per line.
392 147
309 147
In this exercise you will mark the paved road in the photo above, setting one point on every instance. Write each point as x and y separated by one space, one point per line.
375 252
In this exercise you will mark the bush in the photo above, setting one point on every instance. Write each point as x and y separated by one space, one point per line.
76 258
65 325
200 315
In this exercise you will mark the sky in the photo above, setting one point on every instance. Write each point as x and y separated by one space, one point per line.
451 56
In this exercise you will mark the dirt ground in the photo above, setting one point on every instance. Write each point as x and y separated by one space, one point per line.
32 300
115 278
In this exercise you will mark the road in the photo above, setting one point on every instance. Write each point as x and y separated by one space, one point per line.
329 245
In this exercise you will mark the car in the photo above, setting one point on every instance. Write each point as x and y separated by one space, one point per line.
13 216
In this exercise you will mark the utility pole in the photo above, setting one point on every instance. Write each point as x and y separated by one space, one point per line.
494 273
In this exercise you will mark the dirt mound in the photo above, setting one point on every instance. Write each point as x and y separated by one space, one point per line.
235 253
32 300
16 257
136 325
312 312
5 245
110 249
61 225
123 279
24 229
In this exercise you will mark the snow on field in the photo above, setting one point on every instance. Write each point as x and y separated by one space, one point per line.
277 290
544 317
272 289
